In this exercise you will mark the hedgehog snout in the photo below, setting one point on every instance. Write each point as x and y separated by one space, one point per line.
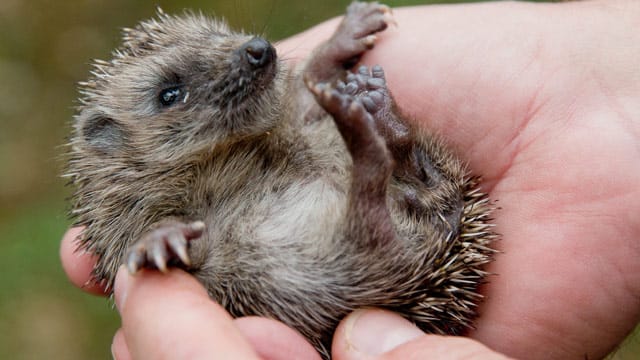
257 53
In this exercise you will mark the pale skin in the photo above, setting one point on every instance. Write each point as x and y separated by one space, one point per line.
543 100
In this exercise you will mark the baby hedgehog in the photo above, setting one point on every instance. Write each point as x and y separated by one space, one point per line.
296 194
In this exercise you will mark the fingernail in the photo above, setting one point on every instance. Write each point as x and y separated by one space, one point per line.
114 356
375 332
121 287
119 350
113 352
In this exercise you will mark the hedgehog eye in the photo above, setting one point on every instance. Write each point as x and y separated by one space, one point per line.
170 95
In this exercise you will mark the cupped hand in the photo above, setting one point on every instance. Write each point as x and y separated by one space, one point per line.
544 102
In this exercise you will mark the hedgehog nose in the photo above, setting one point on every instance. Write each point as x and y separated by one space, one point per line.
258 52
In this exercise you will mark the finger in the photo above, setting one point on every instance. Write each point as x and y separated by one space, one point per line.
273 340
364 334
444 348
170 316
380 334
119 349
78 264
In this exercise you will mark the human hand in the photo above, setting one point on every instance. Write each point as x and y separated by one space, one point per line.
170 316
542 99
544 102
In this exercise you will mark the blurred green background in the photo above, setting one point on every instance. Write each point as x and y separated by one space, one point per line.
45 49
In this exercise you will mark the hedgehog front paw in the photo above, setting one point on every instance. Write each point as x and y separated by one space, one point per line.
164 245
357 31
356 34
364 19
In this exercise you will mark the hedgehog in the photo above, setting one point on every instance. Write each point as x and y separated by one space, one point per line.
298 193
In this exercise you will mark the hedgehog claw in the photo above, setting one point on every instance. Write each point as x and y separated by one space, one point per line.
178 245
135 260
163 246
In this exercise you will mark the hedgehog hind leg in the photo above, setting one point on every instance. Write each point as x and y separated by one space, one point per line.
368 219
423 181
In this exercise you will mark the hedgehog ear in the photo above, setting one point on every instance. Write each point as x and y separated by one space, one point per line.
102 133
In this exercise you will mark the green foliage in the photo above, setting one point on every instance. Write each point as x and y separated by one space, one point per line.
42 315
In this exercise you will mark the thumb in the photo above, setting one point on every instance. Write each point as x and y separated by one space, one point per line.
379 334
170 316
